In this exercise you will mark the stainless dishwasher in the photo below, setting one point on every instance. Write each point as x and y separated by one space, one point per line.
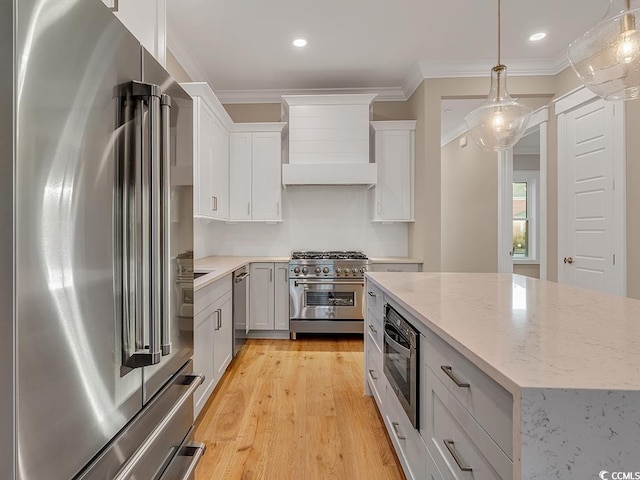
240 308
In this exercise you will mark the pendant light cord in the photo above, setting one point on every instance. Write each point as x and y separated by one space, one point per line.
499 31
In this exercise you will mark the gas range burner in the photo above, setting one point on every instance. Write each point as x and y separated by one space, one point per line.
328 256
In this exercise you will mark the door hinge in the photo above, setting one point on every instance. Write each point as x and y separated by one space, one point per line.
614 258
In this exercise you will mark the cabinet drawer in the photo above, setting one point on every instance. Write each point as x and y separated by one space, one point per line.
408 443
489 404
374 327
457 441
374 373
206 296
375 298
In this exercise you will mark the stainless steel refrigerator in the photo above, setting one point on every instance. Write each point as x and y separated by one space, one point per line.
96 338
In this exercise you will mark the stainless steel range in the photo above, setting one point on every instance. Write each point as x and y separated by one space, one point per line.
326 292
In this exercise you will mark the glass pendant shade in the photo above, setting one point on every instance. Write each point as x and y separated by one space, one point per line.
607 57
501 121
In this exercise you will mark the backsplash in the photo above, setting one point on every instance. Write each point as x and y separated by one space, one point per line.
314 218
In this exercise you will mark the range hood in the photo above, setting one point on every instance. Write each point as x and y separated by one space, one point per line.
327 140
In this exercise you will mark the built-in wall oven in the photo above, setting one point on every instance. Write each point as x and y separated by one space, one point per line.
326 292
400 359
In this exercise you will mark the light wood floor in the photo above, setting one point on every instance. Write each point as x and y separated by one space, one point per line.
295 410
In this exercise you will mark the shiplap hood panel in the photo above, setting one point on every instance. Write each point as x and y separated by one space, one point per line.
327 140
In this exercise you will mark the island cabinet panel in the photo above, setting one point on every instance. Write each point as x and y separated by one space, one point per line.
489 404
409 445
459 445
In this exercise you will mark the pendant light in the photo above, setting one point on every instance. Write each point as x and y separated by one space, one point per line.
501 121
607 57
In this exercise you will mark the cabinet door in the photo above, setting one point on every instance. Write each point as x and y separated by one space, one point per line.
223 337
203 155
282 296
203 339
261 296
267 176
394 190
146 20
240 176
220 171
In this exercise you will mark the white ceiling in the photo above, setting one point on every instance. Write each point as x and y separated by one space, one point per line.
244 46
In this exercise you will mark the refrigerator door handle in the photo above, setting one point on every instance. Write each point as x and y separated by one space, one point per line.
130 465
140 246
165 203
194 450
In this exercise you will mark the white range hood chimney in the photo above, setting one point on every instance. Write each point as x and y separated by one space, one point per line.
327 140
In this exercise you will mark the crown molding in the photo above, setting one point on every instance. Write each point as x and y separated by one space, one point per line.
384 94
184 56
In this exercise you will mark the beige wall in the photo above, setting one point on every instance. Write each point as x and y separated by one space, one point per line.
469 207
176 70
427 237
392 111
527 270
253 112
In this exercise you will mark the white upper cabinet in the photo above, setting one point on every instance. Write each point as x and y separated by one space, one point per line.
211 125
255 172
147 21
395 157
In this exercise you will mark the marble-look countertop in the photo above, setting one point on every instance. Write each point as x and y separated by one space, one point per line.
527 333
224 265
394 260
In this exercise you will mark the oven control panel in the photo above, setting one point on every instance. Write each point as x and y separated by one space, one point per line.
343 269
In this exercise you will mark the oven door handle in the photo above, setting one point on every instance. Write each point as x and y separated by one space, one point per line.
396 346
297 283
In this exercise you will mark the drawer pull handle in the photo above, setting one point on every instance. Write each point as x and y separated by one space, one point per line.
371 294
395 427
372 375
449 372
452 450
372 328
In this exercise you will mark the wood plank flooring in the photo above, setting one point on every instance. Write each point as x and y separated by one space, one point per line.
295 410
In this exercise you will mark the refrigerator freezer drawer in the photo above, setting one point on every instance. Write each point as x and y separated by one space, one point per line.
183 465
145 447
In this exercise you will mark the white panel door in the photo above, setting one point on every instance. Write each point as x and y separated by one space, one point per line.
203 361
220 170
240 176
281 307
223 336
267 176
591 226
261 297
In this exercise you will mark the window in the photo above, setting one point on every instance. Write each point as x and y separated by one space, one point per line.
525 235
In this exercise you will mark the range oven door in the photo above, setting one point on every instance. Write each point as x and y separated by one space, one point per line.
400 361
326 299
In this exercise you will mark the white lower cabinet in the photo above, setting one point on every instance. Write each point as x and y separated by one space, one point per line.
212 337
269 296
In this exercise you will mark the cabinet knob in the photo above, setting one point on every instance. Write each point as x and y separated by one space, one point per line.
568 260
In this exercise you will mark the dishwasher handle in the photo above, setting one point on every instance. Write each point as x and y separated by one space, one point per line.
241 277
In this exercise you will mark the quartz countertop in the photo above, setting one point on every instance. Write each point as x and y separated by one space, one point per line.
394 260
527 333
224 265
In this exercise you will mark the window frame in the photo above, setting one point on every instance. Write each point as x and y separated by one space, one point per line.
532 179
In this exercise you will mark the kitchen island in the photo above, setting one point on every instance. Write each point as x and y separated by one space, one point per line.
565 359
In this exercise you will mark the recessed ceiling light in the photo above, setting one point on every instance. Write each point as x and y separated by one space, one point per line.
536 37
299 42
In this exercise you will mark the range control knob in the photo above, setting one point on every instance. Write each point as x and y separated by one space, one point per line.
305 270
338 271
317 270
346 271
363 269
325 270
354 270
296 270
